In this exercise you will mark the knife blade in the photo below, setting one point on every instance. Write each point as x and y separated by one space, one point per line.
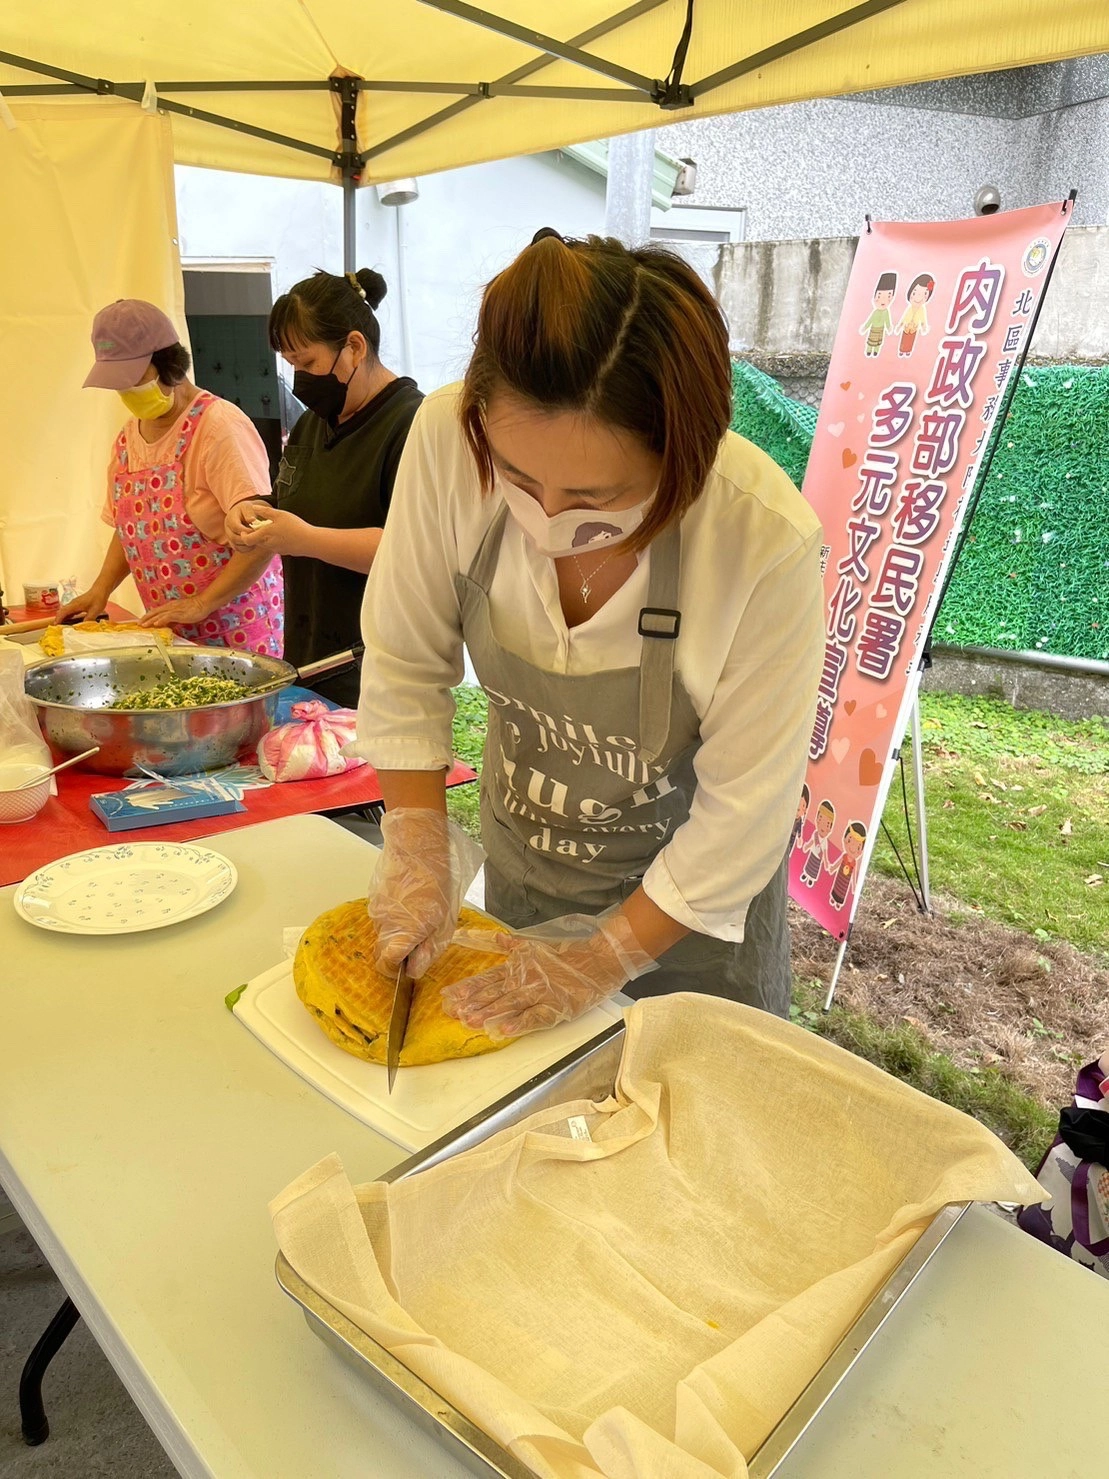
398 1020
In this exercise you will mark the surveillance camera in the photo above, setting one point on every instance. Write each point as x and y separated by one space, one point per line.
987 201
686 183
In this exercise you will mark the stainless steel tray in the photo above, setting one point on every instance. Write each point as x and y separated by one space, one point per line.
587 1073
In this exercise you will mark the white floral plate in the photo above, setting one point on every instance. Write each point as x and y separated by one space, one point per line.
123 889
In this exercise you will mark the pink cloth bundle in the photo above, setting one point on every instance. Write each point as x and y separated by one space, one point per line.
309 747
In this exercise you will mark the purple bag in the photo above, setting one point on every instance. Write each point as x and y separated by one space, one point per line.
1077 1222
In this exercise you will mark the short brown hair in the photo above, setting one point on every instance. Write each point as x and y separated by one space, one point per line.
630 336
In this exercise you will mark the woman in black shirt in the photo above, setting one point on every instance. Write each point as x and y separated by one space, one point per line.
336 475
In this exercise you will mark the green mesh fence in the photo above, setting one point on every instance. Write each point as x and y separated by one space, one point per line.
1034 570
765 415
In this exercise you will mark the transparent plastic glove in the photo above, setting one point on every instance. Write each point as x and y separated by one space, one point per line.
426 866
551 975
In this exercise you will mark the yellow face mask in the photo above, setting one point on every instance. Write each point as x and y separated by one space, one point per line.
148 401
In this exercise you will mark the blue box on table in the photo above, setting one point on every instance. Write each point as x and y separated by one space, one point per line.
158 805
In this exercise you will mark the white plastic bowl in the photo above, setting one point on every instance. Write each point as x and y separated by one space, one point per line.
21 806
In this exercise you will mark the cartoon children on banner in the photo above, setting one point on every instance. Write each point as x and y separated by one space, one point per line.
914 320
817 844
818 852
879 324
799 819
854 840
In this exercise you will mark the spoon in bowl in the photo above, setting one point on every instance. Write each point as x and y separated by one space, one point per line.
65 764
166 659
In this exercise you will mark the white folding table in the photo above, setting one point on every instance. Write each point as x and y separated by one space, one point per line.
143 1130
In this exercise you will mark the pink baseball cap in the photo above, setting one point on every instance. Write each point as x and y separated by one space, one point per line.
125 335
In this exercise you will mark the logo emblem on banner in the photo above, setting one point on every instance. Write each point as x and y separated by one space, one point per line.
935 325
1037 257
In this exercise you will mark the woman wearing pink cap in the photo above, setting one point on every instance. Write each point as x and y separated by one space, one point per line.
180 464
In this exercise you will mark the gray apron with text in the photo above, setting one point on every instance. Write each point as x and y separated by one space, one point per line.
585 777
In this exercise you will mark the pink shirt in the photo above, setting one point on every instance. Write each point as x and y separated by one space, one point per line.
225 463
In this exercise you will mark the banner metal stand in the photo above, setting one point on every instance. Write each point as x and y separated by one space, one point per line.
841 955
921 813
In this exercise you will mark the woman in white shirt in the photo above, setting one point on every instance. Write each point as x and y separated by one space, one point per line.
640 593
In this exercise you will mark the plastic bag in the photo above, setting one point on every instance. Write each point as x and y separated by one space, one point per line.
310 746
21 741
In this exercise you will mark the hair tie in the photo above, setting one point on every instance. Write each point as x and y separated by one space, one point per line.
356 285
544 232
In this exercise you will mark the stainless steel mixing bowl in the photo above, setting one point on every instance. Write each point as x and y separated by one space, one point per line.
71 694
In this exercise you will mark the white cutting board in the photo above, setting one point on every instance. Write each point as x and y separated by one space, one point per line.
426 1102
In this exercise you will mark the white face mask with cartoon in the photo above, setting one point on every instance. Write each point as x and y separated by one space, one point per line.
574 531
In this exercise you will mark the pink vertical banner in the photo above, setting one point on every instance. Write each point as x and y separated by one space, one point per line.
934 326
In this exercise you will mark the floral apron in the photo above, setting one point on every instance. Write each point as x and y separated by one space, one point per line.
586 777
170 559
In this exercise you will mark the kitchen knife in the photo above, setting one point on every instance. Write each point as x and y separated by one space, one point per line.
398 1021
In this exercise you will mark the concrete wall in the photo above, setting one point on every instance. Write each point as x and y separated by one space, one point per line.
1069 694
783 299
816 169
1074 321
1020 92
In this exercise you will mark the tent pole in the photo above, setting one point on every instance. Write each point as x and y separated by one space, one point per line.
350 225
351 166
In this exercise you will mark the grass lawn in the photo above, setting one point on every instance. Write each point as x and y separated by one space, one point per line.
469 736
1018 816
1027 1126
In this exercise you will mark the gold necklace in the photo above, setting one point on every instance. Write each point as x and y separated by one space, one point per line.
586 588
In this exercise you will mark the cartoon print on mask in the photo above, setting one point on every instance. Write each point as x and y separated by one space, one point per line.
588 534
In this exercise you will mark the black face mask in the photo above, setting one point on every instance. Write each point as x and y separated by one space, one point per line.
325 395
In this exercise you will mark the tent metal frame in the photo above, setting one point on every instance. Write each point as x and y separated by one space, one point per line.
666 93
670 93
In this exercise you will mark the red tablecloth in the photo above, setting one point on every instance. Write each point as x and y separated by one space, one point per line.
66 824
36 613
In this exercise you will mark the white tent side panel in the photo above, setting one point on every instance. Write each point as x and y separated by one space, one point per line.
89 217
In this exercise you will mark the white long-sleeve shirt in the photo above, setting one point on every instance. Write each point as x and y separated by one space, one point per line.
749 654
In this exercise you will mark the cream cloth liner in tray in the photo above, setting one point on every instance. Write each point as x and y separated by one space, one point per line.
649 1301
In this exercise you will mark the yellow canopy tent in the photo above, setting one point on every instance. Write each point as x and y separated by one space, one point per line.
261 87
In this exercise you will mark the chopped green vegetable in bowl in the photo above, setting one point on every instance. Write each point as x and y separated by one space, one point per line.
183 693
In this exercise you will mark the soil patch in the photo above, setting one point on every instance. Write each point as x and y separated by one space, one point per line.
981 992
